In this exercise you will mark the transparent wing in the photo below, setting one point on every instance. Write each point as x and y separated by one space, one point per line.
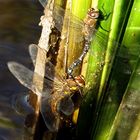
59 14
20 104
64 18
70 21
101 41
33 52
25 77
43 2
52 119
66 106
76 24
50 72
99 38
51 108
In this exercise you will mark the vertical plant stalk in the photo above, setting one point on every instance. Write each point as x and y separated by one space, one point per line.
47 24
93 74
118 78
70 49
126 124
62 53
119 16
79 10
128 113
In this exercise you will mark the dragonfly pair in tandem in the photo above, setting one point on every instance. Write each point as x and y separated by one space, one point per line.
56 95
57 91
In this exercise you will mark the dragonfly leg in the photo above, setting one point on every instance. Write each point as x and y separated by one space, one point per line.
104 15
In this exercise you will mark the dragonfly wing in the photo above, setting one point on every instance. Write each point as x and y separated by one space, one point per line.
102 41
25 77
20 104
33 52
43 2
64 16
23 74
49 68
69 21
66 106
52 119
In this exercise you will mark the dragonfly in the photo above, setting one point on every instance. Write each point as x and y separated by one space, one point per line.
56 96
86 29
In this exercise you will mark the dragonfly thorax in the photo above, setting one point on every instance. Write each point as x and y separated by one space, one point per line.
75 84
80 80
72 85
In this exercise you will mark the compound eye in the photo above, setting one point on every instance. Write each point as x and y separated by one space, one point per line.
93 13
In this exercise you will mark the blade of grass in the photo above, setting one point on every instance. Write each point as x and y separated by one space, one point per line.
126 124
79 10
120 16
69 46
131 41
93 76
102 128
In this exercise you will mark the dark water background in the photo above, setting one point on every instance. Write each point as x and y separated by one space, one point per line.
18 28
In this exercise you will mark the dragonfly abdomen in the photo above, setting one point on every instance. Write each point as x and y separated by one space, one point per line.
88 30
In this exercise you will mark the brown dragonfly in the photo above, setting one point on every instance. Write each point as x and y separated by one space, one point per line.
85 31
57 92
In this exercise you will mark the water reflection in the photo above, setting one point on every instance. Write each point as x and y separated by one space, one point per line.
18 28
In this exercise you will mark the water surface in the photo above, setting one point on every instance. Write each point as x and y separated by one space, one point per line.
18 28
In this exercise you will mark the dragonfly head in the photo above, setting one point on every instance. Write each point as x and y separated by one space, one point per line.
91 19
93 13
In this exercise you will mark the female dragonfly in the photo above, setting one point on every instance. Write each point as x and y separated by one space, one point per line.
57 92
